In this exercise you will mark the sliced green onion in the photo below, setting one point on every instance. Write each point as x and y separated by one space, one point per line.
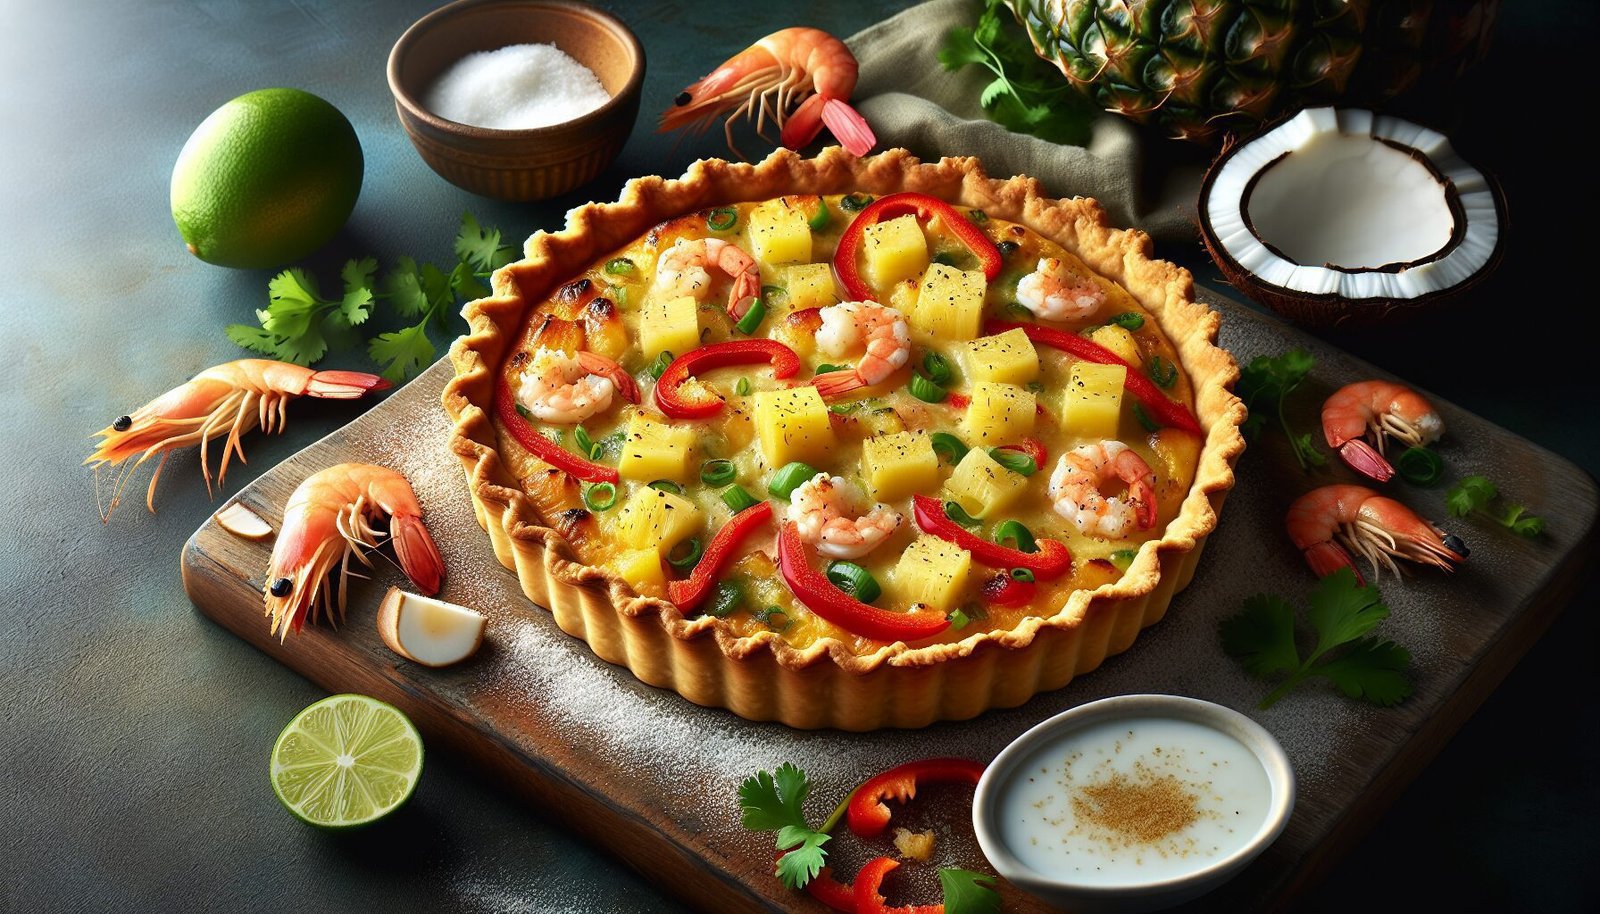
687 553
722 219
854 580
1007 248
737 499
667 485
771 292
826 367
726 597
945 258
1150 425
1015 461
845 409
789 477
524 412
620 266
948 446
1014 531
600 496
1128 320
1036 386
764 616
718 472
619 294
927 391
937 367
978 216
1016 309
820 219
752 319
1419 465
1022 575
958 618
659 366
742 387
1163 372
955 512
855 203
1122 558
586 445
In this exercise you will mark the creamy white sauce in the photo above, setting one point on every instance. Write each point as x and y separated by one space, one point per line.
1071 810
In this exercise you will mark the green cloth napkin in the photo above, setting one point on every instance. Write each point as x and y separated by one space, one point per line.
1141 179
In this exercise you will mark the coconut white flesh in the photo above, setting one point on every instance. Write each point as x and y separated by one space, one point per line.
1330 193
243 522
428 631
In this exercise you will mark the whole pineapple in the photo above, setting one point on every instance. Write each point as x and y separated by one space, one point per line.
1200 67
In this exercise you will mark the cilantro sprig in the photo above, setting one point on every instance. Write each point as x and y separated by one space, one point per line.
1264 385
300 326
966 892
1341 613
1026 95
1477 495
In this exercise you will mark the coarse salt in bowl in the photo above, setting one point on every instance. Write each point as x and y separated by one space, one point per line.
517 87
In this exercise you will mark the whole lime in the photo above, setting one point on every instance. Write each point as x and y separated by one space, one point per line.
266 179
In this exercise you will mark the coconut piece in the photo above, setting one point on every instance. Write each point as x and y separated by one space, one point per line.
243 522
1343 216
428 631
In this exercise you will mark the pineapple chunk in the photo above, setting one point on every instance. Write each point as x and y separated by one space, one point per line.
931 571
641 568
1093 405
655 450
669 325
779 233
811 285
657 520
895 250
949 304
1008 358
900 464
793 425
982 486
999 413
1120 341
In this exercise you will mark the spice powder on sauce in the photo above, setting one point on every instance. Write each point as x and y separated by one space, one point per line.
1142 807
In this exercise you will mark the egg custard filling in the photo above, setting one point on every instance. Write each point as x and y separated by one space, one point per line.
870 419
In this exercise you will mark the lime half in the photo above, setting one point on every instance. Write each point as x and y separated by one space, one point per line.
346 761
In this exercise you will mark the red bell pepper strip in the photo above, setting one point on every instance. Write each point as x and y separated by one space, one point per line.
1005 590
542 447
1051 561
869 815
690 593
831 892
1033 447
1162 409
870 901
785 363
926 208
813 589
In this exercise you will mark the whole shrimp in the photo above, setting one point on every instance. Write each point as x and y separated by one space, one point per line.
803 66
1330 523
852 325
1055 293
568 388
1075 489
682 270
228 399
1380 410
821 508
328 519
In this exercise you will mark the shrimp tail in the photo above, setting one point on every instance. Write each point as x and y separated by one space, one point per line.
419 557
835 384
1362 458
1327 557
597 364
343 385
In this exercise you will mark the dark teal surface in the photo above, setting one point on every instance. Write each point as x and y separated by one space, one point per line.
134 733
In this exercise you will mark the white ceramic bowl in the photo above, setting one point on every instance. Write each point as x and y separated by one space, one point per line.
1155 895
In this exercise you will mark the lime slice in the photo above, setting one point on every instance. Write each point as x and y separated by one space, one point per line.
346 761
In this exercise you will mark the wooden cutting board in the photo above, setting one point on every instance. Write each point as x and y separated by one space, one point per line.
652 777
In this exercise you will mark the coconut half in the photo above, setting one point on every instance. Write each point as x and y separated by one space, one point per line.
428 631
1343 216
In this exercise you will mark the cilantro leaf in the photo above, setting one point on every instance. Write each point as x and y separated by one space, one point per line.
772 802
1371 669
961 49
1262 636
480 247
356 305
465 285
1342 612
402 352
802 864
293 286
256 339
1264 385
1476 494
966 892
1026 94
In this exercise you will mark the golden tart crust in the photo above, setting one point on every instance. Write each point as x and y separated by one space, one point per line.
761 676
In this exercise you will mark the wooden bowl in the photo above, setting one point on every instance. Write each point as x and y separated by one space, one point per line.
518 164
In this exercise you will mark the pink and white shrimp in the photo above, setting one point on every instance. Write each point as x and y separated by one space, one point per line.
823 509
568 388
803 67
1379 410
683 270
1330 523
228 399
1054 292
1076 494
854 326
328 519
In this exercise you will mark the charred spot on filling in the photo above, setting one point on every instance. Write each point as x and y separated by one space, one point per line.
602 308
518 358
281 587
573 516
574 291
